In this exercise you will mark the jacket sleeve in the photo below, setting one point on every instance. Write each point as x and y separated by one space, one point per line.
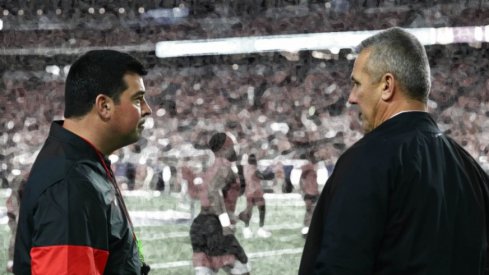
70 230
354 222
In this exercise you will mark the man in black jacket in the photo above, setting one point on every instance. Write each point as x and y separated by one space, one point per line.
72 215
405 199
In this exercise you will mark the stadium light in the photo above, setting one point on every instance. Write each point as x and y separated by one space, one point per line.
486 33
479 34
252 44
444 36
1 24
312 41
427 36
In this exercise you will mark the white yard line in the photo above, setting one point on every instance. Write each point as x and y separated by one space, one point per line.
170 265
163 236
272 253
283 226
5 193
183 234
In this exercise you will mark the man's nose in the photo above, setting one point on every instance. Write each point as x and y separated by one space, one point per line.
352 99
146 109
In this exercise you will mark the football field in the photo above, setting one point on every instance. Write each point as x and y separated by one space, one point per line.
162 223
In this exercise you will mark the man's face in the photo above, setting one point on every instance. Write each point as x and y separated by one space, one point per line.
228 150
365 93
129 114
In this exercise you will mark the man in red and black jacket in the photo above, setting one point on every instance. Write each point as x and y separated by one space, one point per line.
73 219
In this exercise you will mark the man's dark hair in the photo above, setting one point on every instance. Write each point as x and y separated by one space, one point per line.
97 72
217 141
252 159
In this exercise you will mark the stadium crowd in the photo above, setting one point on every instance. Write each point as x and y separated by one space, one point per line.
275 108
277 105
103 23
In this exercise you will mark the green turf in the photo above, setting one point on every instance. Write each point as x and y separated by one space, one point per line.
170 243
4 241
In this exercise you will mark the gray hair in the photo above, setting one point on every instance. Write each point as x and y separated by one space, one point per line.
398 52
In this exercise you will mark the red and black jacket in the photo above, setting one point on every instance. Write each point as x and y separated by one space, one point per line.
71 220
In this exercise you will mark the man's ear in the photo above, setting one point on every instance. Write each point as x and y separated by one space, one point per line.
388 84
104 106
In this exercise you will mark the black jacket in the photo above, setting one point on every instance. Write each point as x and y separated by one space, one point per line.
405 199
71 219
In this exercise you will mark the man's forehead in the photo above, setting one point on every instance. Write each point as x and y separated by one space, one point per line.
363 56
361 61
134 79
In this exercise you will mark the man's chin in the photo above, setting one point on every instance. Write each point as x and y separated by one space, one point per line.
135 137
367 128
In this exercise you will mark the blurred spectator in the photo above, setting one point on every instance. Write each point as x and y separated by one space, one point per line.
13 204
254 197
309 188
267 101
